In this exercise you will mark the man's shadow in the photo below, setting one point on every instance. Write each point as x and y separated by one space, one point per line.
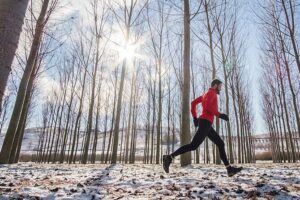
93 187
98 180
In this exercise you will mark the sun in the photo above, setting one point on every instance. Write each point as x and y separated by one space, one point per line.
128 52
127 49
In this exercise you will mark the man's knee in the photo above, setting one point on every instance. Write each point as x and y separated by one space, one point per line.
221 144
193 146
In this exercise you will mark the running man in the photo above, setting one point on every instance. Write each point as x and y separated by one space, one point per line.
204 123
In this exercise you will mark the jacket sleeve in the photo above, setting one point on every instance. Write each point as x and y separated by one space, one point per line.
194 104
212 104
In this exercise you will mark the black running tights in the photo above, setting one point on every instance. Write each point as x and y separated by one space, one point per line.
204 129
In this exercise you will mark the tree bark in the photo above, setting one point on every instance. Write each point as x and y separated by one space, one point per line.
185 138
12 13
15 118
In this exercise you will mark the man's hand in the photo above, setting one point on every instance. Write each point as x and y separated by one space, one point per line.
224 117
196 121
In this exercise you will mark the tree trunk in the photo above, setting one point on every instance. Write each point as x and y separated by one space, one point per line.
158 125
227 107
20 131
73 153
117 121
94 151
104 137
185 120
129 118
15 118
12 13
53 131
91 107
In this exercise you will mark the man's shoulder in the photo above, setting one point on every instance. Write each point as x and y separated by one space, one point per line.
211 93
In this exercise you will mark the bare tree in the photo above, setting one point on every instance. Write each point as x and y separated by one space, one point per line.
130 18
12 15
281 56
185 135
99 23
157 32
15 119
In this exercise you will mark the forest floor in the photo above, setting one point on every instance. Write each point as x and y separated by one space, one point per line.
140 181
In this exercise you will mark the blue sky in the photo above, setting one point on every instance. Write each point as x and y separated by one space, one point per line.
252 61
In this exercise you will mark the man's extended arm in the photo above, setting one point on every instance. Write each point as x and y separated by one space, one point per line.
194 104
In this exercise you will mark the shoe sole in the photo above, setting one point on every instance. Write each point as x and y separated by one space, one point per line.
230 175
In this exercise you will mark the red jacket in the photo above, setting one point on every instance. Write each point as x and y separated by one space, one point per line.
209 105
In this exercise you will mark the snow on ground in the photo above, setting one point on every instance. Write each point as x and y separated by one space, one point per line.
140 181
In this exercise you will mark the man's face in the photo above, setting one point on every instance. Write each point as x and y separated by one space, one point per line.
219 88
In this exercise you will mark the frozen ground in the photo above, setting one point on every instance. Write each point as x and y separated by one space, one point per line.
139 181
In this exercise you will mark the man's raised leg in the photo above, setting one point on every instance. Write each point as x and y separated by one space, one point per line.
202 132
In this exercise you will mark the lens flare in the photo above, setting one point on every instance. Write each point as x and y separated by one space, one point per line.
128 52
